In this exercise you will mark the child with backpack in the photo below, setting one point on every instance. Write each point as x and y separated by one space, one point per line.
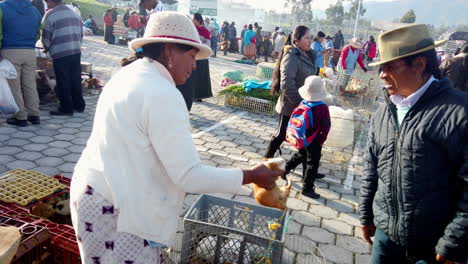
307 131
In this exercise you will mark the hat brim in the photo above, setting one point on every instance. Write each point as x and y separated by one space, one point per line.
436 44
314 96
203 51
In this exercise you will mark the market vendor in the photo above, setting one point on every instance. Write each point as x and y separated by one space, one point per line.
129 185
348 58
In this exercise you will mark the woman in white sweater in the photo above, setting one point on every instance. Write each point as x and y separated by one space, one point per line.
129 185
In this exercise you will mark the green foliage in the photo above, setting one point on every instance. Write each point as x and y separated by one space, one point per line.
354 9
239 91
93 8
335 13
409 17
301 10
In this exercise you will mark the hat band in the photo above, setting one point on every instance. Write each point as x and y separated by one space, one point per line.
174 37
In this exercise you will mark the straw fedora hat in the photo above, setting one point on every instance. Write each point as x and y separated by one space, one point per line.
404 42
355 43
313 89
171 27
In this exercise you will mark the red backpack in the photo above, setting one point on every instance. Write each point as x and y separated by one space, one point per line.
299 133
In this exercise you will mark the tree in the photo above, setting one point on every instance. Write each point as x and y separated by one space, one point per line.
354 8
301 10
409 17
335 13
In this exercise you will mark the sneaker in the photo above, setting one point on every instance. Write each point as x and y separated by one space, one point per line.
15 122
311 194
35 120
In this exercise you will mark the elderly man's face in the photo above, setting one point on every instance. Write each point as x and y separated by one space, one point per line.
401 78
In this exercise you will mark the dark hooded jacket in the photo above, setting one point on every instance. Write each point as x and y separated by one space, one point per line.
415 184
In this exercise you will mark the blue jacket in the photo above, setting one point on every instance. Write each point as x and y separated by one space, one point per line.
20 22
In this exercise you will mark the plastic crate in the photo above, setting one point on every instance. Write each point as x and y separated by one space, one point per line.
250 104
218 230
35 241
64 245
265 70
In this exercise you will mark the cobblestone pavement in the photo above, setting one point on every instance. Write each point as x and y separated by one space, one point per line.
330 223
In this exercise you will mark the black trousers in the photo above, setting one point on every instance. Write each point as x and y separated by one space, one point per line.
278 139
311 157
69 91
108 35
385 251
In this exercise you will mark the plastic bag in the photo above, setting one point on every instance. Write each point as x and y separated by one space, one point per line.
7 102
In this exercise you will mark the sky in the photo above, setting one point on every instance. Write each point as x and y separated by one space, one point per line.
278 5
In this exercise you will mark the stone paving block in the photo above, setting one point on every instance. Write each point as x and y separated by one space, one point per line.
237 158
288 257
299 244
29 155
353 244
25 135
72 125
21 164
323 211
86 129
358 232
80 141
56 121
252 155
336 254
363 259
248 148
51 171
46 132
8 150
340 206
49 161
55 152
60 144
198 141
337 226
218 153
3 169
351 199
67 130
306 218
76 149
318 234
221 161
7 130
232 150
210 139
83 134
297 204
35 147
349 218
320 201
340 189
64 137
42 139
245 199
17 142
228 144
67 167
72 157
294 228
328 194
4 138
201 148
4 159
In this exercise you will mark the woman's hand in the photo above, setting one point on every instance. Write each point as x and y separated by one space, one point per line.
262 176
368 231
439 258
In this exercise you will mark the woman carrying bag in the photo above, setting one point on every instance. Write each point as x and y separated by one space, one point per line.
296 62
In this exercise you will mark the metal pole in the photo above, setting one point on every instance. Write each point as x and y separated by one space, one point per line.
357 18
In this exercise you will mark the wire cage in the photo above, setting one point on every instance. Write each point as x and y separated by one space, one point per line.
250 104
265 70
357 91
220 231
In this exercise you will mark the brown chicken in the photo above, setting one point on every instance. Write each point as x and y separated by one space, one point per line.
276 197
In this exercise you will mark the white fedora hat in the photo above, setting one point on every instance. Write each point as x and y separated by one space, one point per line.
171 27
355 43
313 89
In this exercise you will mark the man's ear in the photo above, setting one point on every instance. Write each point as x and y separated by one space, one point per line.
419 65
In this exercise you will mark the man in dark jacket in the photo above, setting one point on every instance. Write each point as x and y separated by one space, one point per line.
338 40
232 38
414 197
456 69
